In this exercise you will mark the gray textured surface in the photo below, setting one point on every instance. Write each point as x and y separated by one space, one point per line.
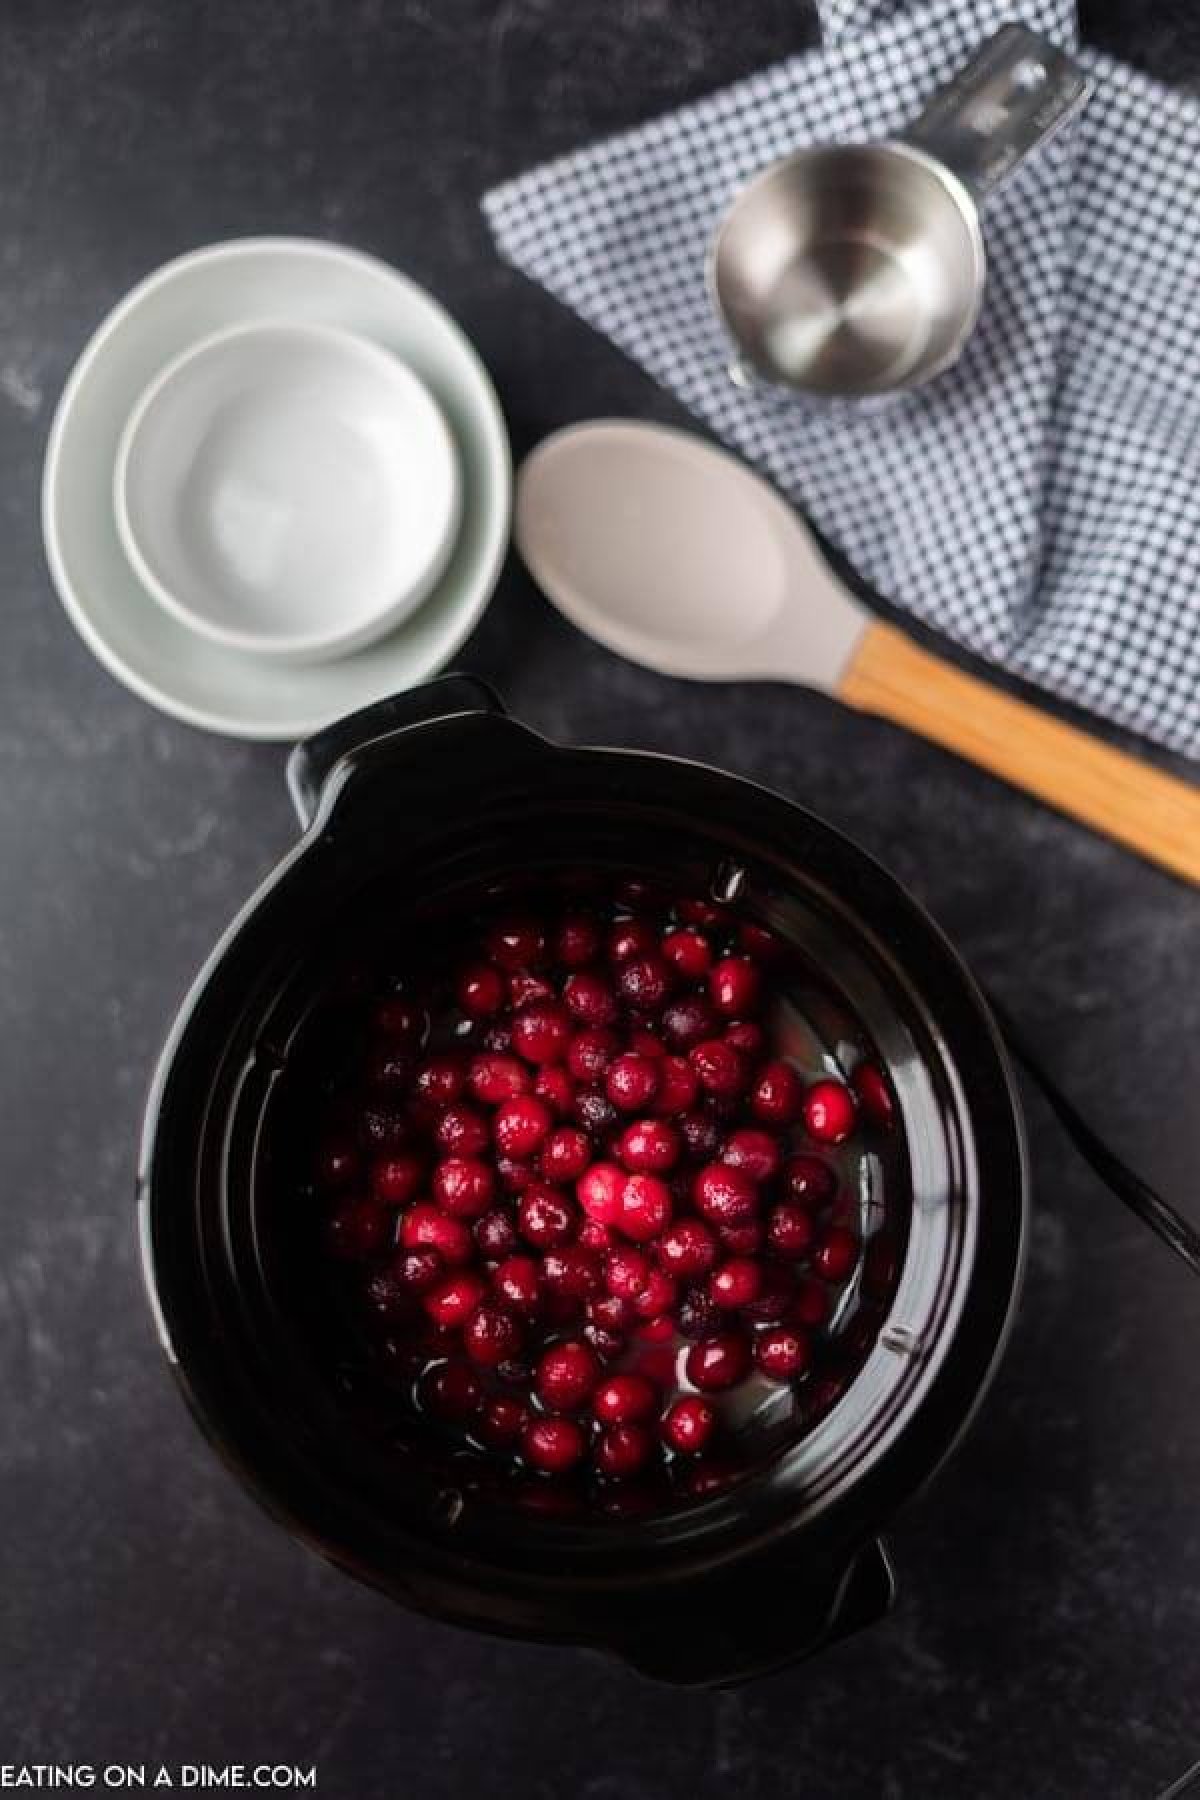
1046 1639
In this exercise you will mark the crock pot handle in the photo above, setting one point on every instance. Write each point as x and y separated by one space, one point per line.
757 1622
310 762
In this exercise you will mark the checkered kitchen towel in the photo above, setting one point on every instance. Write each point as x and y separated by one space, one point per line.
1041 501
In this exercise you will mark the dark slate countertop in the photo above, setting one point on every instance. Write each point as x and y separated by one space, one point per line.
1046 1639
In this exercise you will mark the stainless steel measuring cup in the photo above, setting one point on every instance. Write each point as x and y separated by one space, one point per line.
856 269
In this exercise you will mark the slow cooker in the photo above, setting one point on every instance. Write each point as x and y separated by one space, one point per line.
436 793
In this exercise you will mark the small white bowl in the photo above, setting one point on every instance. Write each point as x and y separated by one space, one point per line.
289 490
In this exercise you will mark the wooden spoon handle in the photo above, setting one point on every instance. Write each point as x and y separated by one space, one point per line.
1152 813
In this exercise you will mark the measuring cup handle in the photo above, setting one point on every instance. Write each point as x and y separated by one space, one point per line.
1013 94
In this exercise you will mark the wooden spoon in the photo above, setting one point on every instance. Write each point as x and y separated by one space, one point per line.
676 555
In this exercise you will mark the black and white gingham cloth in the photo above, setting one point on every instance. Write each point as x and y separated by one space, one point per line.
1040 502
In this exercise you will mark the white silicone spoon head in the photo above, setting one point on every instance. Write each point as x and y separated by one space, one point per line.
674 554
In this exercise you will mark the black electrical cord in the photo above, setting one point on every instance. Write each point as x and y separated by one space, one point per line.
1138 1195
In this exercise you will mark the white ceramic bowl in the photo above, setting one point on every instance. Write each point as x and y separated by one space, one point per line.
263 280
287 490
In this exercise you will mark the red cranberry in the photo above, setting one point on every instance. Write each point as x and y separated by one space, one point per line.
718 1362
517 1280
572 1271
631 1082
645 1207
480 991
384 1128
551 1502
463 1186
541 1032
452 1392
418 1270
829 1112
836 1254
453 1301
565 1154
725 1196
520 1125
677 1087
595 1111
553 1445
397 1179
622 1449
514 1174
631 937
694 911
577 940
809 1181
782 1353
337 1164
594 1236
590 998
736 1282
495 1078
524 988
734 985
778 1094
689 952
747 1037
545 1216
560 1308
391 1068
501 1423
624 1399
789 1230
775 1295
555 1087
755 1151
719 1068
566 1375
742 1240
591 1052
874 1095
689 1424
516 942
687 1021
599 1193
811 1304
657 1297
659 1331
425 1227
696 1315
439 1081
647 1043
402 1019
758 942
626 1272
608 1345
491 1335
461 1131
644 982
389 1296
700 1135
649 1146
688 1248
610 1312
496 1235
